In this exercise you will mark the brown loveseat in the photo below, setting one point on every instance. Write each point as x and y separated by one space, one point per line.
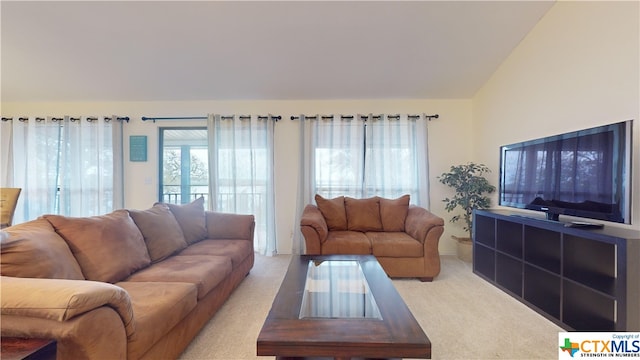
403 238
131 284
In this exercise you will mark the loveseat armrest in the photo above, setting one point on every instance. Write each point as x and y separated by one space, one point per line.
62 300
230 226
314 229
427 228
421 221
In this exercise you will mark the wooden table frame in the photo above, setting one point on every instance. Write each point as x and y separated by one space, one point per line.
398 334
27 348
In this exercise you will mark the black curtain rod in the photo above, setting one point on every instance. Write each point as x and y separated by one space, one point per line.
241 117
73 119
365 117
144 118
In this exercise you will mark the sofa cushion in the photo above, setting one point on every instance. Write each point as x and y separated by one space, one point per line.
393 213
160 230
108 247
333 211
191 218
363 214
395 244
34 250
204 271
346 242
236 250
157 308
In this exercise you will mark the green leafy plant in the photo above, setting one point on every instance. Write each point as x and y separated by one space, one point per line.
471 188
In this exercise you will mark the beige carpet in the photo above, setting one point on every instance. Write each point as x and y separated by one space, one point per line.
463 316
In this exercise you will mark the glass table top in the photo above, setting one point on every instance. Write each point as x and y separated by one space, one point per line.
337 289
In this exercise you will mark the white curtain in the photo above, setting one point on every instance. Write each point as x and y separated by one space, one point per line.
6 153
86 167
64 166
338 156
361 156
396 158
331 162
241 172
306 178
117 138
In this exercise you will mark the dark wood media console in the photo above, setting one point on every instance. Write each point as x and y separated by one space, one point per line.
581 279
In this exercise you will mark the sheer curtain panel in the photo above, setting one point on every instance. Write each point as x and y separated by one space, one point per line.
6 153
306 178
338 156
86 166
241 172
36 154
331 162
396 161
65 166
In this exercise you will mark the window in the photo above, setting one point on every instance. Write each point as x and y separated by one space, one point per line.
184 170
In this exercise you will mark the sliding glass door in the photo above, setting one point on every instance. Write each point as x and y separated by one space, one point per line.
184 166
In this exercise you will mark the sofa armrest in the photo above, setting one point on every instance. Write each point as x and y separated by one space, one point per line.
420 222
97 334
314 229
230 226
62 300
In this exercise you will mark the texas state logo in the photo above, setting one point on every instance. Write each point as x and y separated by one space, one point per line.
569 347
613 345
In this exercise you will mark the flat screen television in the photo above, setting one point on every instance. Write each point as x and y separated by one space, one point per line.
585 173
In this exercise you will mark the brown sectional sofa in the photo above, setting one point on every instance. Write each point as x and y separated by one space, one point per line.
131 284
403 238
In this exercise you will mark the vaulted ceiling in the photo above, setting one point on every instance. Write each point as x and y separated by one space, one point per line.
221 50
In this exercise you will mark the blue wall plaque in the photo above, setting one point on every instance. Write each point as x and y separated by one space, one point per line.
138 148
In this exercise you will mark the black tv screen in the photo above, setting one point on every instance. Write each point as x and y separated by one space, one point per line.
585 173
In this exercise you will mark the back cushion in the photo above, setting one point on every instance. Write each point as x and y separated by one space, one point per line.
191 219
34 250
160 230
108 247
393 213
333 211
363 214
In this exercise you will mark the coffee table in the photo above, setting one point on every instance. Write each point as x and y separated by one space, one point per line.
340 306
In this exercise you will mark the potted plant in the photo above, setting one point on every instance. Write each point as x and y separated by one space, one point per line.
471 189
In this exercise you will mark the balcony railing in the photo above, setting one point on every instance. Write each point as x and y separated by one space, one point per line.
176 198
243 203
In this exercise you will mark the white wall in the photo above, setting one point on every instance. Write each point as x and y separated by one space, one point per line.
578 68
448 142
